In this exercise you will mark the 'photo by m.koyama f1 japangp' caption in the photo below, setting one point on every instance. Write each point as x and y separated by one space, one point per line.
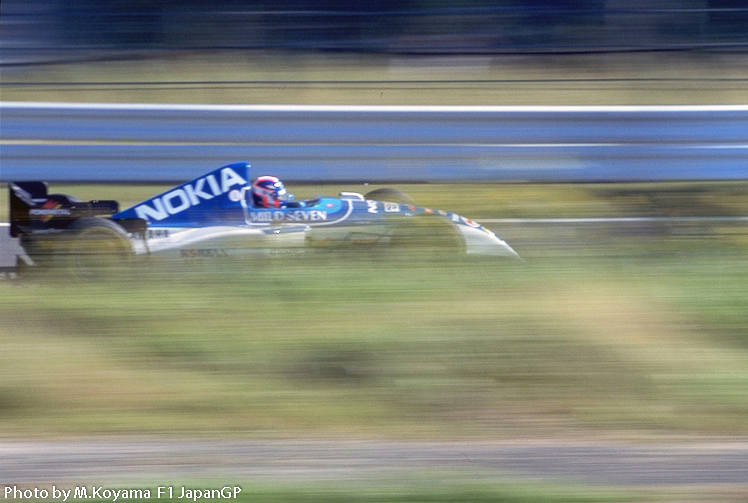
64 494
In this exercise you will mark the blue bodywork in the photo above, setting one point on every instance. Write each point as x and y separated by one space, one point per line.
217 208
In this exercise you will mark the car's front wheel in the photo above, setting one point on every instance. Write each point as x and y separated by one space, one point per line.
390 195
428 234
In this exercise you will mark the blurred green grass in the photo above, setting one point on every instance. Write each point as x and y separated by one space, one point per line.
373 346
630 335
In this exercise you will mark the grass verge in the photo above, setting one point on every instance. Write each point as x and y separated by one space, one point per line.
621 335
349 344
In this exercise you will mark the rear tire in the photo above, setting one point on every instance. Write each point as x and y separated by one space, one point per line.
95 248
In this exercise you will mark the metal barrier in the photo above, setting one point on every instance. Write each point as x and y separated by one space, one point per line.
100 142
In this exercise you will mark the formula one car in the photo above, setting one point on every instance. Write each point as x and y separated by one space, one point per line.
215 216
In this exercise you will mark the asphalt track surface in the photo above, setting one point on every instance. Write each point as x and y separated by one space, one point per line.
721 464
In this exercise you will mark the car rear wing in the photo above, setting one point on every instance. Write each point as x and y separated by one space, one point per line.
33 210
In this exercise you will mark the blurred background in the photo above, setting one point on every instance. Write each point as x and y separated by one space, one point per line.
628 322
416 52
55 30
470 52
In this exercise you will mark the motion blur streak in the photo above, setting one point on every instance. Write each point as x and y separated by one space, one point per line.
634 328
615 355
376 143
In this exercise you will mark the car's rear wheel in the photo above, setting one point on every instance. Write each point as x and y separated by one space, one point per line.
95 248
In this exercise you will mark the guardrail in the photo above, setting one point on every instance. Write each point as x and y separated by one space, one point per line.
112 142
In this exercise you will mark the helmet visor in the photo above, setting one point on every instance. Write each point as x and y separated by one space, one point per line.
281 194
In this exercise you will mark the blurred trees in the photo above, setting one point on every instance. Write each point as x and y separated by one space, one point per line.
432 26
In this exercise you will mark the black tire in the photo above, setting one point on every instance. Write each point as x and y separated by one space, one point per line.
95 248
427 234
389 195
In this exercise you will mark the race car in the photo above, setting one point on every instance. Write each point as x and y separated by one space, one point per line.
215 216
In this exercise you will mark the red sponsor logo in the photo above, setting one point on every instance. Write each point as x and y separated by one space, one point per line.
50 204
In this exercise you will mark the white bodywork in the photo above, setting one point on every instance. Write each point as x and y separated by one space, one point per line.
484 242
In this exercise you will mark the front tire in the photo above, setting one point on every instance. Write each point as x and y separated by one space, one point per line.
389 195
427 234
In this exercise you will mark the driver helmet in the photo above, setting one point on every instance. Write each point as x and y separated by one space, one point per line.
269 192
